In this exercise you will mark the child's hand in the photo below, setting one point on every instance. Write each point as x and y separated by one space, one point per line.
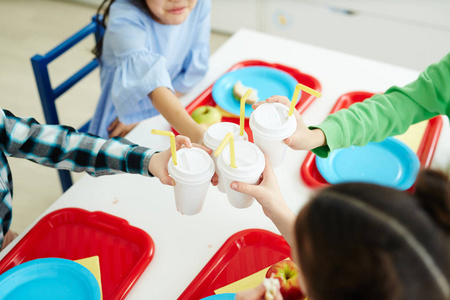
158 162
268 194
257 293
8 238
303 138
117 128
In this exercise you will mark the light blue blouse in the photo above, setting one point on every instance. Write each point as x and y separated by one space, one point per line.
140 55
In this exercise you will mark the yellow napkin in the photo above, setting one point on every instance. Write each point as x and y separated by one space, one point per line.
243 284
413 136
92 264
246 283
224 113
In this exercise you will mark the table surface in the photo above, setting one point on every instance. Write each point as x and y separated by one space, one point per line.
184 244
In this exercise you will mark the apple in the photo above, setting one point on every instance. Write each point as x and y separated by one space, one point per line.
287 273
206 116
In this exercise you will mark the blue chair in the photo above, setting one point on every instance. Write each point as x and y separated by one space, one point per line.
48 94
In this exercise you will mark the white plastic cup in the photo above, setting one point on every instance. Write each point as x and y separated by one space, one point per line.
270 125
250 163
192 177
214 136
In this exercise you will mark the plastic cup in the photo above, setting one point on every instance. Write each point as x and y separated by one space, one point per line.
192 177
270 125
214 136
250 163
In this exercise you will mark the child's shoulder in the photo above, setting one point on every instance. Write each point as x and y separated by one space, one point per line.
201 10
127 8
203 6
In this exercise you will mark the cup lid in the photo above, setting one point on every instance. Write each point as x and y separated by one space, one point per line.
194 164
217 132
271 119
250 160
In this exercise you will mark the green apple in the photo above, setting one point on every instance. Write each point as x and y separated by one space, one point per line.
206 115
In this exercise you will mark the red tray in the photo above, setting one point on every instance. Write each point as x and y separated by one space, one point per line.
306 99
311 174
124 251
244 253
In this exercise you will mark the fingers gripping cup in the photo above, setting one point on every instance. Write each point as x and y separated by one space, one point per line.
250 163
214 136
192 176
271 124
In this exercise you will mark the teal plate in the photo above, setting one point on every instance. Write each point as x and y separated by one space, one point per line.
267 81
389 163
49 278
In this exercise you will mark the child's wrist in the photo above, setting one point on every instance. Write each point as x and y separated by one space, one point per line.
317 138
278 210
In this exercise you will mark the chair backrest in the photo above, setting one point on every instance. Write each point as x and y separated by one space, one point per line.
47 94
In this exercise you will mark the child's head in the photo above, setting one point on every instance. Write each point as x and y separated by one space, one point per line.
363 241
170 12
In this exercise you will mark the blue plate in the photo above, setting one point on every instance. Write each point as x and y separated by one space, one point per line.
268 82
390 163
49 278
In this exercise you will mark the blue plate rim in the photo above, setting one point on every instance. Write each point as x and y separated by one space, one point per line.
248 107
49 261
403 185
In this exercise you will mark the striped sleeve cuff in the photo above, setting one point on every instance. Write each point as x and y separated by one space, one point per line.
138 160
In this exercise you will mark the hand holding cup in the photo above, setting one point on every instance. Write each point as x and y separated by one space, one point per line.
303 138
158 162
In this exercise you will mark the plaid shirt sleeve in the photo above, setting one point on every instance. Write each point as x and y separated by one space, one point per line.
63 147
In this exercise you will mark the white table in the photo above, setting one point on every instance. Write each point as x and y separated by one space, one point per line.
184 244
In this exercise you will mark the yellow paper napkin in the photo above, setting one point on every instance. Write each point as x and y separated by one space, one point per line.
413 136
92 264
243 284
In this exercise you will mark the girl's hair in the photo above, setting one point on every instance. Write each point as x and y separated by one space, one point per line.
364 241
102 18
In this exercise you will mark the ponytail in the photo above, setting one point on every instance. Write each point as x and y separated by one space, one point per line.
433 193
101 18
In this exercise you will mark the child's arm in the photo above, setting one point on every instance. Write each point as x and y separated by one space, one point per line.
62 147
390 113
378 117
170 107
268 194
196 63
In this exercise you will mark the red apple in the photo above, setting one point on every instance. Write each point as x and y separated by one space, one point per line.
287 273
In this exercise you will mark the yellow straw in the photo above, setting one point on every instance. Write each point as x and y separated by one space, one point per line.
302 87
242 115
228 138
173 146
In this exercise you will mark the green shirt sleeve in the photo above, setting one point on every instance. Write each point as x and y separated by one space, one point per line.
390 113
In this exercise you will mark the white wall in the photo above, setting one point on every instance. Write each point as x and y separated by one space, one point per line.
409 33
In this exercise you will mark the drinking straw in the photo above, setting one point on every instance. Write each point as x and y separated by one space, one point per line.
228 138
242 115
302 87
173 146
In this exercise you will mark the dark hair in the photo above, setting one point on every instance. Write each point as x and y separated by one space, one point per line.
364 241
102 16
